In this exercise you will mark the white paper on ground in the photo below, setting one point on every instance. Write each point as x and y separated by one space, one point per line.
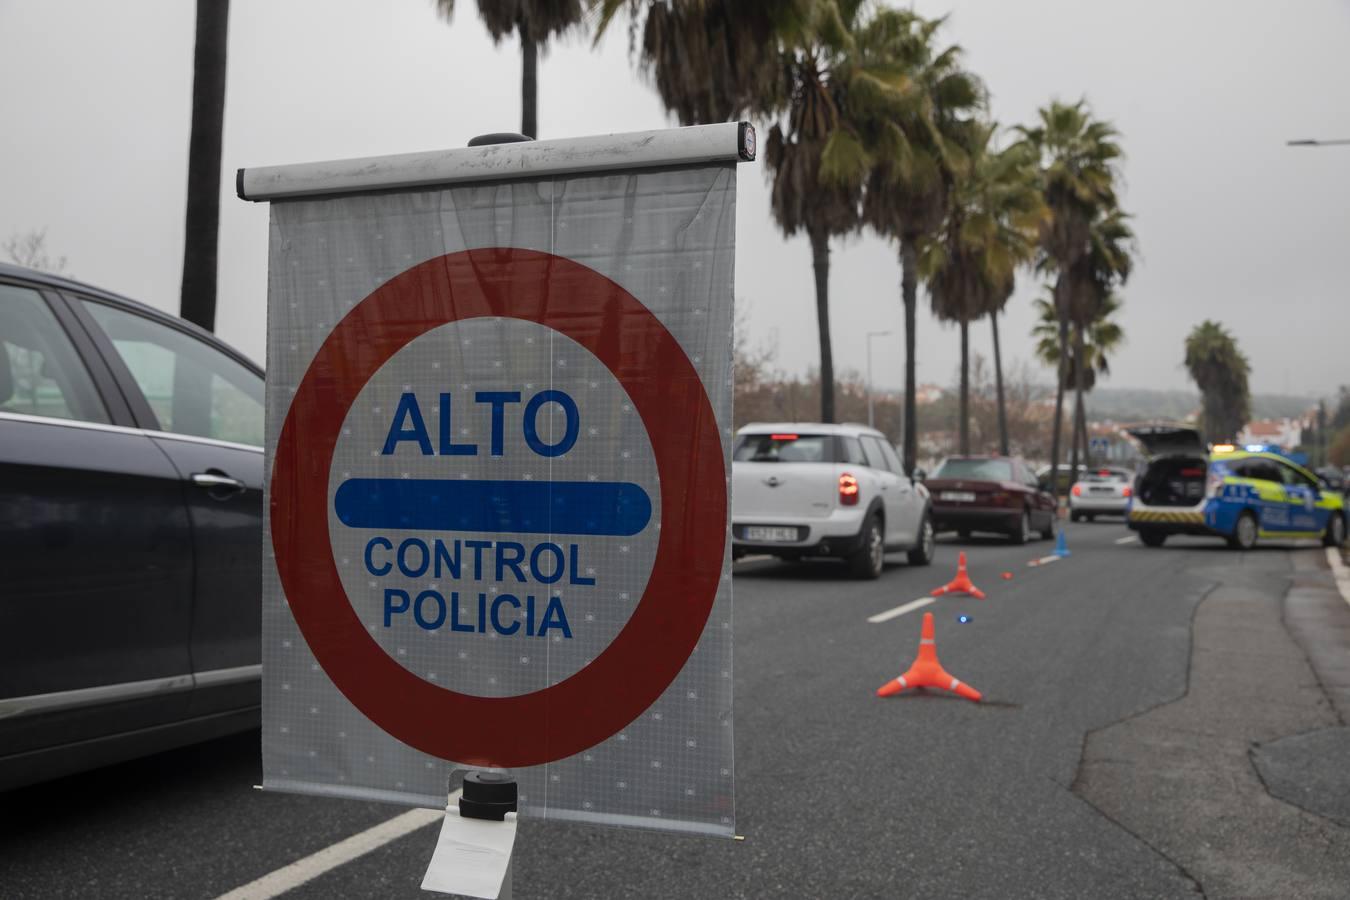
472 856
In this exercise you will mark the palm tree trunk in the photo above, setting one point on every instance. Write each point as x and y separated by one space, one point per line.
1073 425
197 301
1080 379
965 388
998 388
909 292
1061 378
529 83
820 261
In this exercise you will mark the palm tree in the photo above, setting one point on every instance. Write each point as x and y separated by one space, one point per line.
714 62
913 118
1107 264
197 300
992 225
1078 173
1102 338
806 155
1220 370
535 21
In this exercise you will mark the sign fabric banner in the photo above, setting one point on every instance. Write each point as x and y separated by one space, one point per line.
498 438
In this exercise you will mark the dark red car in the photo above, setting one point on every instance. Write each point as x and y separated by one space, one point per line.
990 493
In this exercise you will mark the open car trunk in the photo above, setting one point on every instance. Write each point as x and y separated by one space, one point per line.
1173 481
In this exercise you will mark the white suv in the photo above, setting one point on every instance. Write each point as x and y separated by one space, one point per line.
807 489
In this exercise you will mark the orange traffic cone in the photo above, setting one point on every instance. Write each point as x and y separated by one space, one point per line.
927 671
961 583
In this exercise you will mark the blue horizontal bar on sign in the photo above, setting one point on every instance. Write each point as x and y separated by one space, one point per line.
518 507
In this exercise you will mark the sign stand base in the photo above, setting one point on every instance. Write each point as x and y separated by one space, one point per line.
474 850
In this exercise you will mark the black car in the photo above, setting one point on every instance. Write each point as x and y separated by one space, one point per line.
131 474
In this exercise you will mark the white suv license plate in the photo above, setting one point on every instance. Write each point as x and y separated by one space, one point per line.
958 496
760 533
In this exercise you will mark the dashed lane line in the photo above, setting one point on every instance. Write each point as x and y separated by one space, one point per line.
1128 539
900 610
278 882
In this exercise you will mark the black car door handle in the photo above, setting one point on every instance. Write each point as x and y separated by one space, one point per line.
217 481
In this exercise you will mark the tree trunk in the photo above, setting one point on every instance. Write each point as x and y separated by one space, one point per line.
1080 378
529 83
965 388
1074 458
197 301
1060 380
820 261
909 292
1086 437
998 388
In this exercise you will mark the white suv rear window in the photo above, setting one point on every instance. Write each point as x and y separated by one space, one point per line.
780 447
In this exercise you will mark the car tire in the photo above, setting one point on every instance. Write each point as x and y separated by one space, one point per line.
1335 536
870 558
1090 517
1023 532
790 556
1048 532
1152 538
1244 533
1075 516
922 554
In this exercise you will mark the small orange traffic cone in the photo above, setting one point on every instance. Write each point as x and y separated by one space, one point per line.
961 583
927 671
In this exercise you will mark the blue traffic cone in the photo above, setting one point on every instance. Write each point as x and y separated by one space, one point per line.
1061 544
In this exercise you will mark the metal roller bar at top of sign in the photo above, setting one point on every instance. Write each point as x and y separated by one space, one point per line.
725 142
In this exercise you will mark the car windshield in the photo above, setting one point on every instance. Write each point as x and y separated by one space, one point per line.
985 469
785 447
1107 476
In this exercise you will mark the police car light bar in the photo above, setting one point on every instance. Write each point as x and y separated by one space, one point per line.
724 142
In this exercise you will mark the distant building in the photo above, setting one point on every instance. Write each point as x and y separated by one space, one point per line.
1286 433
925 394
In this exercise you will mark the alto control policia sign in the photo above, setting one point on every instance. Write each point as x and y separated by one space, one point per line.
499 410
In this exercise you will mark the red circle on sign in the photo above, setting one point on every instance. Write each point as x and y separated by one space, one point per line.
646 656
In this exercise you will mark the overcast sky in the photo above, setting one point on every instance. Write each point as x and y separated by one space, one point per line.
1232 224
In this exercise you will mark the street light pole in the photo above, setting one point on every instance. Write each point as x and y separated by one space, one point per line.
871 414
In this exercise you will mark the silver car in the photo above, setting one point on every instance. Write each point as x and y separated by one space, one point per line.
1103 492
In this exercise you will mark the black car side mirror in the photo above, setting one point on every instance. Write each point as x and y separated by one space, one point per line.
917 475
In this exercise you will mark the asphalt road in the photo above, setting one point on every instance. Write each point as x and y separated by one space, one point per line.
839 793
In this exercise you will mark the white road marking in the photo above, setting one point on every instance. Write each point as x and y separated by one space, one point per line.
1128 539
278 882
1045 559
1342 573
901 610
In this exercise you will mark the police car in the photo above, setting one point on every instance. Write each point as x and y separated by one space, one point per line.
1239 493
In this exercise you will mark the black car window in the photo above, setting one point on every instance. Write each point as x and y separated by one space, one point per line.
192 387
986 469
1294 477
1260 469
41 373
